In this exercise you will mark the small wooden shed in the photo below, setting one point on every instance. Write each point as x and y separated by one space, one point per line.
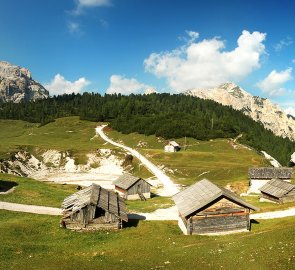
260 176
172 146
278 191
132 187
94 208
206 208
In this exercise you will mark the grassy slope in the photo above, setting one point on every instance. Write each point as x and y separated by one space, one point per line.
35 241
216 160
30 191
65 134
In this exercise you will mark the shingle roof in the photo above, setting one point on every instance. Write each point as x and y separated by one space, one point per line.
95 195
125 181
202 193
277 188
174 143
270 173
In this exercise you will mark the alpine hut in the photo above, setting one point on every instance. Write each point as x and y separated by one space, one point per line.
278 191
260 176
132 187
172 146
94 208
205 208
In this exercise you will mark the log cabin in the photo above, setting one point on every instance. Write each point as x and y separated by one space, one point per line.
258 177
205 208
132 187
278 191
94 208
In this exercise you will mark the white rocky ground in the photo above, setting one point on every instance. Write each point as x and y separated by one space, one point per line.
102 167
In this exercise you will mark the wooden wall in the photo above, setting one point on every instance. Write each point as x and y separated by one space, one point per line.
221 216
141 186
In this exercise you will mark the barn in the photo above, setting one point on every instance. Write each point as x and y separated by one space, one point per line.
278 191
258 177
205 208
93 208
172 146
132 187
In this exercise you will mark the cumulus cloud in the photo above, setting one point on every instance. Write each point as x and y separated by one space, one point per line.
59 85
206 63
283 43
82 4
125 86
273 84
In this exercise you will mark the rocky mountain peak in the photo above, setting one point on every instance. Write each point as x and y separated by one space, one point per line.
16 84
258 108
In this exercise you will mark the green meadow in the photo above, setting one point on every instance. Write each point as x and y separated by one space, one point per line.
36 242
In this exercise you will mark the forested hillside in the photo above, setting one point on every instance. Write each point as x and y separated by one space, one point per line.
169 116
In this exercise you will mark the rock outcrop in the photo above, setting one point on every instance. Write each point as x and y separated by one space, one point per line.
259 109
16 84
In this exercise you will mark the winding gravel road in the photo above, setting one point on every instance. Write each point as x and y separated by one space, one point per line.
34 209
169 187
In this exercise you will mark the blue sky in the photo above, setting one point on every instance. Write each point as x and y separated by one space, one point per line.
171 45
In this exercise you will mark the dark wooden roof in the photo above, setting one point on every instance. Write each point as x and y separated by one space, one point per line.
95 195
201 194
270 173
277 188
126 181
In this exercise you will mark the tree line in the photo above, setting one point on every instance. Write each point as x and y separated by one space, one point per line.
165 115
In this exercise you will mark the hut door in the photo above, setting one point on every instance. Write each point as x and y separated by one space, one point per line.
139 188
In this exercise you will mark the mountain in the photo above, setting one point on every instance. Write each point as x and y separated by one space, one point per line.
259 109
16 84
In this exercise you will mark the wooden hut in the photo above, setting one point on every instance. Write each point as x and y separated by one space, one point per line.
172 146
94 208
260 176
206 208
278 191
132 188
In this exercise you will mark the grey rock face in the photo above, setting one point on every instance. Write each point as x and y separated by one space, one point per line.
16 84
259 109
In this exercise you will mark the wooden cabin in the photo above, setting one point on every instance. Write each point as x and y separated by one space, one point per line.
258 177
278 191
132 188
94 208
206 208
172 146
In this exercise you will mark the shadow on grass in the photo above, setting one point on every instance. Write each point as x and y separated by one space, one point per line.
6 186
133 220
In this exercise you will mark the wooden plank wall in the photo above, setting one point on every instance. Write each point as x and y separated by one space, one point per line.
143 186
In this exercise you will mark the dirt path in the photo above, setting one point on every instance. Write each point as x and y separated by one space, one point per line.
169 187
35 209
275 214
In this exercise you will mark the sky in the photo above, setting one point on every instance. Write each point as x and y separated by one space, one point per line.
128 46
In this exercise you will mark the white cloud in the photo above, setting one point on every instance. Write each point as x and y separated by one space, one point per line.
290 110
205 64
94 3
82 4
59 85
273 83
74 27
283 43
125 86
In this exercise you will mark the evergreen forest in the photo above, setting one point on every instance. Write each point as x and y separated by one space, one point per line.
165 115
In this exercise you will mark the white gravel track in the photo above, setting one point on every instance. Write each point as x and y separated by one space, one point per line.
169 187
